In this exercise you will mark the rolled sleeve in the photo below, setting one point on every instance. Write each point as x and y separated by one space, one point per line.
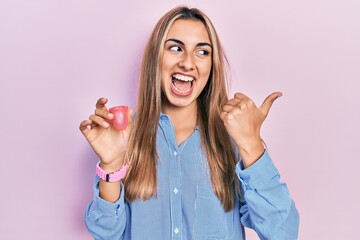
104 207
257 174
266 205
105 220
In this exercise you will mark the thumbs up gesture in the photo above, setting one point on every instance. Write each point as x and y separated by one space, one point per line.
243 120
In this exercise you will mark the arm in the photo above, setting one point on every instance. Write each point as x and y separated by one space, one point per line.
105 216
266 205
106 220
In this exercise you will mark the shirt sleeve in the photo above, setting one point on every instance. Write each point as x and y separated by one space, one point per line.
103 219
266 205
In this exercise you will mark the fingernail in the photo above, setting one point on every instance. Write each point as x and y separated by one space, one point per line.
110 115
106 124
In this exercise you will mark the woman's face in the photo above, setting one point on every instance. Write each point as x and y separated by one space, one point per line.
186 63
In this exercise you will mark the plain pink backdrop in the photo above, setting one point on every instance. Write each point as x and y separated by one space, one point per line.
58 57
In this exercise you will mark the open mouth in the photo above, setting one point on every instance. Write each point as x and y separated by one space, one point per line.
182 85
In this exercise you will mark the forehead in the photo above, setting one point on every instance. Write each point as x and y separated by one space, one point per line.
188 30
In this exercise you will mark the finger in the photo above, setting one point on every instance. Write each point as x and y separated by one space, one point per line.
227 108
231 108
104 113
100 103
226 117
236 103
265 107
233 102
223 116
241 96
245 101
84 126
99 120
93 125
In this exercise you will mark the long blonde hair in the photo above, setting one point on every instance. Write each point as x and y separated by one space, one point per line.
141 179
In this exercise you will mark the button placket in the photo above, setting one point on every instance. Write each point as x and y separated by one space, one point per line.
175 197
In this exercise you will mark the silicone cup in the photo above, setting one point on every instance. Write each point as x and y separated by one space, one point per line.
120 120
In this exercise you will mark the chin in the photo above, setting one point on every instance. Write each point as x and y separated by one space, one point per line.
176 101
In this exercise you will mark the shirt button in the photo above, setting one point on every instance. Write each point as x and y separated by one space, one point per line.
175 153
176 190
176 230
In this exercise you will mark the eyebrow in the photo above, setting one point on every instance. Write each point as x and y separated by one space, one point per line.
200 44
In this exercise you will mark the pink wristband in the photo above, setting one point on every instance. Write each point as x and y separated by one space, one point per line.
114 176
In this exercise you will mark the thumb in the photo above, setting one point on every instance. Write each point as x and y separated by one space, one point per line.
266 105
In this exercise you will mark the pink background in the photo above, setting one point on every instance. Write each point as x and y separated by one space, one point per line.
58 57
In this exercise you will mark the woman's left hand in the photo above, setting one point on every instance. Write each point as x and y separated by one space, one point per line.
243 120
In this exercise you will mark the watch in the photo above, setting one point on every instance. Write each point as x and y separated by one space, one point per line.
114 176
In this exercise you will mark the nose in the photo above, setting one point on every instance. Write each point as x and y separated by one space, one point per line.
187 62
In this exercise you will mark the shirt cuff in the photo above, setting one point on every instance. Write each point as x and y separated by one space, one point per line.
258 174
104 207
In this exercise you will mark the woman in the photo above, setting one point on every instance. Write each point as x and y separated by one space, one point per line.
197 168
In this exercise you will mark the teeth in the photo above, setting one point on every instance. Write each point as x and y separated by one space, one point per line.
182 77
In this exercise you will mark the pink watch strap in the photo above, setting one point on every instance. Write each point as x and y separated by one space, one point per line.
112 177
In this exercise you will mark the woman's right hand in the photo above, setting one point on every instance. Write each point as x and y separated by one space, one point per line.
108 143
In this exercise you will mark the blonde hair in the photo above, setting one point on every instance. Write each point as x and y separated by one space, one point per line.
141 179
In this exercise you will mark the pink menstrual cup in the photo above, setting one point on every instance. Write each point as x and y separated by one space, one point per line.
120 121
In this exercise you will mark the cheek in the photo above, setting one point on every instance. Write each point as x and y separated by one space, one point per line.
168 61
164 81
165 67
206 69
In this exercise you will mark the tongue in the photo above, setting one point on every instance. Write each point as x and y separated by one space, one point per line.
182 85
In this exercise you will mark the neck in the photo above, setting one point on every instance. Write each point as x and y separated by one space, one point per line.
182 117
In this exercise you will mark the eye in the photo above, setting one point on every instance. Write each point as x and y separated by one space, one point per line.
203 52
175 48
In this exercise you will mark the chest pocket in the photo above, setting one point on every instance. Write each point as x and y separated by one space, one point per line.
211 221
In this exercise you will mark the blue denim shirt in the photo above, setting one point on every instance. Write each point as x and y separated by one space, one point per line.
186 207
